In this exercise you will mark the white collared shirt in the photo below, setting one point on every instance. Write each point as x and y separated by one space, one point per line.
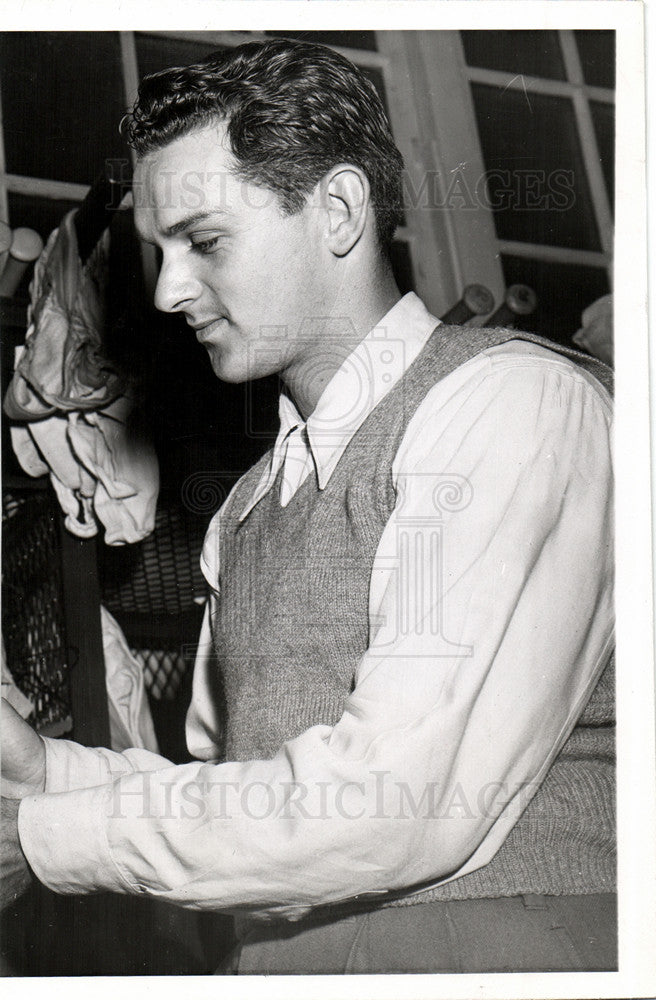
368 374
491 618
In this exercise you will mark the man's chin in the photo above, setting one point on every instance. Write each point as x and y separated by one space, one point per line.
224 369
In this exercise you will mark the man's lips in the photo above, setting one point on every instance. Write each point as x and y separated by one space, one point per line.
205 330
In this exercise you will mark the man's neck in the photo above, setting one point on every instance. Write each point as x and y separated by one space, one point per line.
331 341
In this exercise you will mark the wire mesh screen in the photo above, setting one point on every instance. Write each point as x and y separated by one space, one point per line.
33 621
162 573
163 671
155 589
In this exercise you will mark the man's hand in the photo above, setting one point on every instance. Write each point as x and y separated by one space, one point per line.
15 875
23 756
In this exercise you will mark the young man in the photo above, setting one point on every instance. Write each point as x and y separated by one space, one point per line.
404 742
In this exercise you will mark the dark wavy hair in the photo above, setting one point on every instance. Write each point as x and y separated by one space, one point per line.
293 110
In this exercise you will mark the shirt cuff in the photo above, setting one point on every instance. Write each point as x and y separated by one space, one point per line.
63 837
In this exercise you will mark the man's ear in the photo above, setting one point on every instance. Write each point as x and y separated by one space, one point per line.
346 199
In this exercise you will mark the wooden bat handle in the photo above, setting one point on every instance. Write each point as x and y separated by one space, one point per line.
476 300
520 300
26 246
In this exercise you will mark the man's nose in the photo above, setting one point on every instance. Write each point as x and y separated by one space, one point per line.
177 288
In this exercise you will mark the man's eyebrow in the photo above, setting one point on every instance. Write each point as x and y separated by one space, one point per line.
190 220
179 227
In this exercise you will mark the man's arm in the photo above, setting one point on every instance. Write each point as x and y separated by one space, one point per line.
522 607
31 765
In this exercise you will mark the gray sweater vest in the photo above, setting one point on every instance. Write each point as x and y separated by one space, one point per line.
292 624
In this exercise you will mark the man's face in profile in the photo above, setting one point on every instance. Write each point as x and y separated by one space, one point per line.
244 275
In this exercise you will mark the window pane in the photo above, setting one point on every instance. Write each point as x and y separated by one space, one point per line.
534 53
155 52
347 39
536 178
597 55
603 118
62 100
563 291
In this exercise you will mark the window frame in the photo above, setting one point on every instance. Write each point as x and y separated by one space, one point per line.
449 247
580 96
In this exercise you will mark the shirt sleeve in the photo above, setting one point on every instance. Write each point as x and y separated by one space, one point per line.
491 620
71 766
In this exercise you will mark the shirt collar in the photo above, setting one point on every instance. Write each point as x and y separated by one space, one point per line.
366 376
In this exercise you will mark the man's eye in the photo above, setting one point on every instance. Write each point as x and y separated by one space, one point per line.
205 246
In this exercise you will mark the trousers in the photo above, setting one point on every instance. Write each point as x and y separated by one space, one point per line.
530 933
